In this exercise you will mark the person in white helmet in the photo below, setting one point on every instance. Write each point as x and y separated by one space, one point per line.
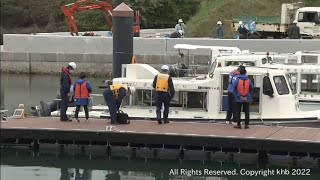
65 85
164 93
181 27
219 30
113 95
242 31
294 31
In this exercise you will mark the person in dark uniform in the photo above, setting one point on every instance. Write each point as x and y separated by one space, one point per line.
176 34
242 31
65 84
164 93
294 31
243 89
113 96
230 112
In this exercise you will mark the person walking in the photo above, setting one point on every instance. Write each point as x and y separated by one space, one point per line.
164 93
294 31
113 96
243 89
82 90
219 30
230 111
65 84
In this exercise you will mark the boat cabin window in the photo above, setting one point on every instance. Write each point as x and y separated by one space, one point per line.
309 59
310 83
238 63
308 17
281 85
267 87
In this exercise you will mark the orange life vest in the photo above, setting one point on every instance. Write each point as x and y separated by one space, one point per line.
133 59
162 84
81 91
243 87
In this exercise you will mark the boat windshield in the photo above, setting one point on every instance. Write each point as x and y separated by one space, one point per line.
281 85
292 79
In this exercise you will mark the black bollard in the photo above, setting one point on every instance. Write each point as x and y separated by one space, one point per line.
122 29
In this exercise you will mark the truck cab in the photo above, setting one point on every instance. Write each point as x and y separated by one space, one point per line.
308 19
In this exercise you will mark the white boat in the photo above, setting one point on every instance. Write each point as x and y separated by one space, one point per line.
303 65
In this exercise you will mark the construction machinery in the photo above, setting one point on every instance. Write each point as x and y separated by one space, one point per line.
82 5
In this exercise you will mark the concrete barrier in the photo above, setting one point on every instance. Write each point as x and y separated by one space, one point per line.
48 53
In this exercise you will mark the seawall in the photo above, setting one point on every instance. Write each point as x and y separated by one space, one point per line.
48 53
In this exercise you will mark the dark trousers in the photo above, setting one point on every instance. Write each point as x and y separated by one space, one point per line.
64 106
112 105
85 107
237 112
230 112
162 98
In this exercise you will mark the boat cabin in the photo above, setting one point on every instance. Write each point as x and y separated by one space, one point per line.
206 98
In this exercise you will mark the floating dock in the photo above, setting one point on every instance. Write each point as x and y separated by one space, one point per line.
293 141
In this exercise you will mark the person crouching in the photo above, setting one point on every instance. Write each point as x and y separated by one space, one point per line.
113 96
82 90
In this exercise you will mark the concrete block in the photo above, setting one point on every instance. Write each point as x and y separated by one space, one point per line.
149 46
17 66
9 56
43 57
98 58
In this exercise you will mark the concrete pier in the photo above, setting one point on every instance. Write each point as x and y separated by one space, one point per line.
48 53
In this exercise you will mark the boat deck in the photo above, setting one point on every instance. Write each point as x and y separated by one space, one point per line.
149 133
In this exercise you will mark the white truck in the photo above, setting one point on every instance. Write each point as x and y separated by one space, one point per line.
308 20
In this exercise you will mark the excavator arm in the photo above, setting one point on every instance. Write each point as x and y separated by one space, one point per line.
82 5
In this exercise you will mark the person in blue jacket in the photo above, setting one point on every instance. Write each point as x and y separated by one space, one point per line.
243 89
230 111
82 90
65 84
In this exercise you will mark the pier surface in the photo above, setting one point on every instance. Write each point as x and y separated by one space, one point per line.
182 135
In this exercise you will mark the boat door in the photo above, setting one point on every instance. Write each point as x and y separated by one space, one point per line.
255 105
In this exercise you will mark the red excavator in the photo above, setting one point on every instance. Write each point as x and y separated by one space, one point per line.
82 5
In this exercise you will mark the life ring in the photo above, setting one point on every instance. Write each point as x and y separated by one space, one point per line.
133 59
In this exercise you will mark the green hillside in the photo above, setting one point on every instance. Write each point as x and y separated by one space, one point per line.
203 24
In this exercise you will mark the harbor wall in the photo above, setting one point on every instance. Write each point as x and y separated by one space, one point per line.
48 53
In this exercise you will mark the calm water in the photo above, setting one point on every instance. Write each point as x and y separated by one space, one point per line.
29 90
50 165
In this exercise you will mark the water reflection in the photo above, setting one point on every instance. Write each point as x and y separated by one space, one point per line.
53 165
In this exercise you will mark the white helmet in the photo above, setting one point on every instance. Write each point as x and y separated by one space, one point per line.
180 32
73 65
132 89
165 67
240 23
219 22
180 21
295 22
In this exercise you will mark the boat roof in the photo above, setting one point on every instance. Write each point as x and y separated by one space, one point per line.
193 47
304 9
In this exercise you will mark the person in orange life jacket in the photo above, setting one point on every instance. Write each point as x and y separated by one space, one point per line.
113 96
164 93
65 83
243 89
230 111
82 90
